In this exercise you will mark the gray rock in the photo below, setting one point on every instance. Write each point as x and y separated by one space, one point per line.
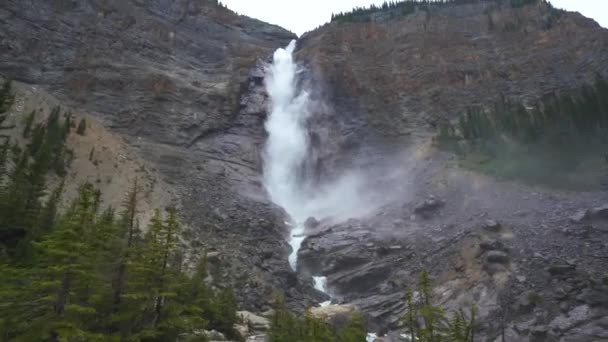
491 225
511 335
526 302
594 331
428 207
490 244
597 213
575 317
579 216
311 223
255 322
561 269
497 257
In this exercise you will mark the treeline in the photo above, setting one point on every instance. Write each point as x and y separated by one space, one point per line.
543 143
557 121
287 327
422 322
426 322
88 274
407 7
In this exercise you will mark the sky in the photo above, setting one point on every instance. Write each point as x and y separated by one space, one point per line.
300 16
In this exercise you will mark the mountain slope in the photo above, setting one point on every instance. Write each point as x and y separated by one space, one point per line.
176 80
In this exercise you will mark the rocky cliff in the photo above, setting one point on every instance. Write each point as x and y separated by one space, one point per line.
183 83
512 250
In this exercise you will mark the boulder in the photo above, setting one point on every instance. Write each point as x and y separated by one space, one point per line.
590 332
597 213
561 269
491 225
491 245
497 257
254 322
336 315
574 318
214 335
311 223
428 207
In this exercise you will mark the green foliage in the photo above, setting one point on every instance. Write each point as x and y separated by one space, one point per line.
547 143
428 323
96 278
406 7
7 98
85 274
286 327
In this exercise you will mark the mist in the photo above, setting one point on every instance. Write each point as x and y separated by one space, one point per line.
346 196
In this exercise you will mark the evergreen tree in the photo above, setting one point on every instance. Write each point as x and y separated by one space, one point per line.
355 330
7 98
53 302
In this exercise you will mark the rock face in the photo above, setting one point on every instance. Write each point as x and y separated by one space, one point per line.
399 76
182 82
389 82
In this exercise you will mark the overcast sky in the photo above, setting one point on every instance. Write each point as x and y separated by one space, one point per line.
300 16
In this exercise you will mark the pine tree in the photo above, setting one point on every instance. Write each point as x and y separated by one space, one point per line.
54 297
7 98
355 330
284 326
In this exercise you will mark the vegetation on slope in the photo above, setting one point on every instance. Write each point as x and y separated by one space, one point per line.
89 274
287 327
423 322
407 7
560 141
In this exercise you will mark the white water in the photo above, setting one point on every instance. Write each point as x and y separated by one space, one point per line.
287 142
320 284
286 152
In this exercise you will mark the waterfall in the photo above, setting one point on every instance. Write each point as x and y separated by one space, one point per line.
286 152
287 143
285 156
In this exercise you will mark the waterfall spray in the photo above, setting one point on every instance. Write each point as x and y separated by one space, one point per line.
285 156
